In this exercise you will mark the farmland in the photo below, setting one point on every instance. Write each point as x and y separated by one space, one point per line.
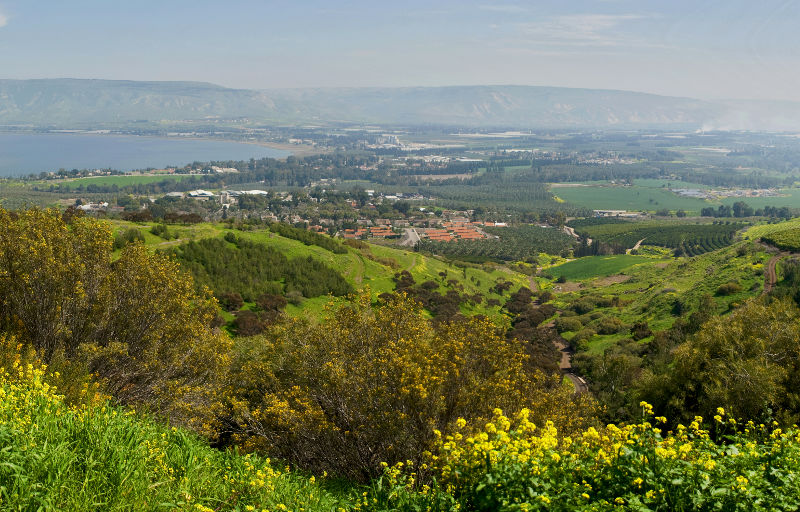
368 266
596 266
686 238
119 181
605 196
519 243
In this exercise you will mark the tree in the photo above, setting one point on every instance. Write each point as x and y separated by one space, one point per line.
371 384
137 323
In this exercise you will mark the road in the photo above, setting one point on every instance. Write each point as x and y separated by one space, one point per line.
771 274
572 232
565 365
410 238
635 247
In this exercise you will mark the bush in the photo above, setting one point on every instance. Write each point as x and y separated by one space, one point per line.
370 385
567 324
231 301
519 465
581 337
609 325
582 306
729 288
128 236
294 297
137 323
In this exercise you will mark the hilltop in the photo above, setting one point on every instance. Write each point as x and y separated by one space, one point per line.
80 103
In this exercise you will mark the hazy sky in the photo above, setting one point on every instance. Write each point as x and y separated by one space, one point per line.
706 49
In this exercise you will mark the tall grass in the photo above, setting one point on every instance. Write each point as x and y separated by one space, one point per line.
98 457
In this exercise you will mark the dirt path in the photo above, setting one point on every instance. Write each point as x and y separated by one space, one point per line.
171 242
571 231
534 287
413 263
635 247
565 365
771 274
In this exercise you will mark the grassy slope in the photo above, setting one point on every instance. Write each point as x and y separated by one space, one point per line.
653 286
100 457
355 265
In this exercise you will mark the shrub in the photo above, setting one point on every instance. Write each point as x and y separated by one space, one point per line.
729 288
568 324
137 323
126 237
372 384
583 306
231 301
609 325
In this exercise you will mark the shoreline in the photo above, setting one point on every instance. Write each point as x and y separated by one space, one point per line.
296 150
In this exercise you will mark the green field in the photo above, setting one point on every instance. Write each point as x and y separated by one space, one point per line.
119 181
604 196
597 266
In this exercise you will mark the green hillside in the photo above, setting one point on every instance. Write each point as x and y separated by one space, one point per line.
367 266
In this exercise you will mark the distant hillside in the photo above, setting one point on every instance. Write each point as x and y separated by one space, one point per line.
67 103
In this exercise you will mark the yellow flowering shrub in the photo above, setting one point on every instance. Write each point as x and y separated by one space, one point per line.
372 383
136 323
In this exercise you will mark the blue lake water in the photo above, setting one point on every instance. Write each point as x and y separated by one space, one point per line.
23 154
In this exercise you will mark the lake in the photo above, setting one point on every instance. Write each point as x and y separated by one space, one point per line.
23 154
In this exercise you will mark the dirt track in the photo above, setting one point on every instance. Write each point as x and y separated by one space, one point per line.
565 365
771 274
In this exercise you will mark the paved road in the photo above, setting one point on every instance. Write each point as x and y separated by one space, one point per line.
410 238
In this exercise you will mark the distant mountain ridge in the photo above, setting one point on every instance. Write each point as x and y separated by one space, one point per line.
73 103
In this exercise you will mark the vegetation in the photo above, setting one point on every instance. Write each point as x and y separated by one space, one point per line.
685 238
252 269
788 240
371 385
100 456
137 323
519 243
521 465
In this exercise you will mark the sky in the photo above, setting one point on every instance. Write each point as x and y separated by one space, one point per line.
701 49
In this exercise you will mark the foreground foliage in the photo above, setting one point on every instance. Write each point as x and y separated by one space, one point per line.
371 384
519 466
99 457
136 323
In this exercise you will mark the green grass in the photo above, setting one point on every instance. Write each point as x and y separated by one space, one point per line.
597 266
100 457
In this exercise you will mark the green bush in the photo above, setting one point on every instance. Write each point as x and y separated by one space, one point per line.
729 288
567 324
